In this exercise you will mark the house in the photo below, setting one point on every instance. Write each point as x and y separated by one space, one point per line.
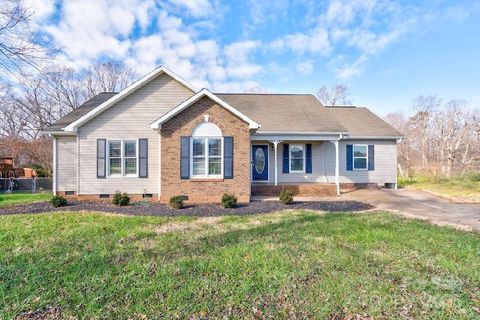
161 137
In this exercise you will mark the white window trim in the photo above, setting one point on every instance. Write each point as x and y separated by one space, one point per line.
366 157
122 159
206 175
290 158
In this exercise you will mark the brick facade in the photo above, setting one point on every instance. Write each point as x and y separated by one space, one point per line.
204 190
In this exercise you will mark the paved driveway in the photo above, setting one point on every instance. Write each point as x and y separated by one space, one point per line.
422 205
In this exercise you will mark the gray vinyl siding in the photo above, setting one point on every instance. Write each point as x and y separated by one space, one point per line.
129 119
66 163
385 163
323 163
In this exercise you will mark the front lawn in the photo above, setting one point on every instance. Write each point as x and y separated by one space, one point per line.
282 265
463 188
7 199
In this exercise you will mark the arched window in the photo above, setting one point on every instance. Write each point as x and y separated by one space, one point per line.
207 151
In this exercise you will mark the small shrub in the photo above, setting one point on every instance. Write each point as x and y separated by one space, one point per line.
474 176
58 201
121 199
286 197
176 202
229 200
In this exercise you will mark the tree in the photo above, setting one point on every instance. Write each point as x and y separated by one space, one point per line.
337 95
424 107
20 45
444 136
39 100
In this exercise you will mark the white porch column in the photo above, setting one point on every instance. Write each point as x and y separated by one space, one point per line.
337 168
275 145
54 166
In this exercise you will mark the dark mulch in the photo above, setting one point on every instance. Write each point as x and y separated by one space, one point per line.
157 209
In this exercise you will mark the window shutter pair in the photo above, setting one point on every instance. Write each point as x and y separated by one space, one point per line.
371 157
227 157
286 158
102 158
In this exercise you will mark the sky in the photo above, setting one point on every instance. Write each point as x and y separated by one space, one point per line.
387 52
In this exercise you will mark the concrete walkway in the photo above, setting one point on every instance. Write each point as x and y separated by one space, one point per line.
422 205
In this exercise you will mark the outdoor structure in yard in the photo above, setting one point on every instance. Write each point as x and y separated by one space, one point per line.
163 137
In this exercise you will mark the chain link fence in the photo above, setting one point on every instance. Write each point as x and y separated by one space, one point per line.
25 185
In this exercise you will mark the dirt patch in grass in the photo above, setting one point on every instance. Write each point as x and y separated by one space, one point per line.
48 313
187 226
206 210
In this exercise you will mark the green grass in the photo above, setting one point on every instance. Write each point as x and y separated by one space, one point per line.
462 188
7 199
284 265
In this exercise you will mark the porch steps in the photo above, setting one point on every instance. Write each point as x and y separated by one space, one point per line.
301 189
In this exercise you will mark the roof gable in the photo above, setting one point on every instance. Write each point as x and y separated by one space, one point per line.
73 127
203 93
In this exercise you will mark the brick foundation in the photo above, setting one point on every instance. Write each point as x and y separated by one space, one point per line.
308 189
301 189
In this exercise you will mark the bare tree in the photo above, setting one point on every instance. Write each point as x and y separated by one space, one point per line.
424 107
438 136
336 95
108 77
20 46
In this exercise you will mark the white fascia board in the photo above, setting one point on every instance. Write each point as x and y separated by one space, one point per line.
296 137
126 92
374 137
57 133
202 93
308 133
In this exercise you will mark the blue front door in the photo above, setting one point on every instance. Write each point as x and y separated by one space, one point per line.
260 162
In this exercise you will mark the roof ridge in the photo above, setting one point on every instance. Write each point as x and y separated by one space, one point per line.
265 94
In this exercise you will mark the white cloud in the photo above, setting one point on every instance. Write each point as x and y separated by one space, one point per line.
197 8
305 67
347 70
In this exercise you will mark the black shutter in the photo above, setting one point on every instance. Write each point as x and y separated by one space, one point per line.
228 157
143 158
371 157
349 157
308 165
101 158
286 155
185 157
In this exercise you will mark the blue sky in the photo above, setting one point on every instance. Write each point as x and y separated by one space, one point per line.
388 52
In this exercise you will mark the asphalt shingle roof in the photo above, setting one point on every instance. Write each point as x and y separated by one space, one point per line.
76 114
278 113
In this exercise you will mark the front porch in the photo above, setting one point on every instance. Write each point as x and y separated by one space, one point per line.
307 165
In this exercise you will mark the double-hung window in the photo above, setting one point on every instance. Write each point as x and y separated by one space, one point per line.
297 158
207 157
360 157
123 158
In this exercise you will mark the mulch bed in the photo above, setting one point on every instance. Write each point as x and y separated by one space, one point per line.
157 209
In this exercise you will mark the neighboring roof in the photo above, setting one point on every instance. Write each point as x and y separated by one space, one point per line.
361 122
203 93
79 112
285 113
125 93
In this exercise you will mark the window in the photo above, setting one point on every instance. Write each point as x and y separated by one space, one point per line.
360 156
206 149
297 158
207 157
122 158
